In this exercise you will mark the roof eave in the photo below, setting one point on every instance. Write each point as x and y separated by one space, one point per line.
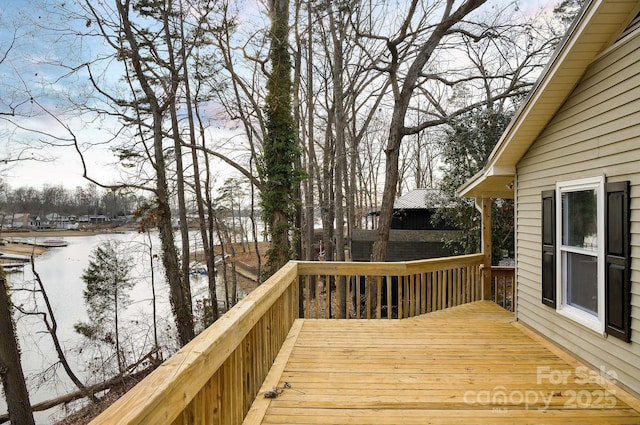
549 93
489 183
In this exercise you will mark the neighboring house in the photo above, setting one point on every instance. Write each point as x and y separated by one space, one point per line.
34 221
62 221
415 209
17 221
22 221
98 219
571 160
93 219
413 235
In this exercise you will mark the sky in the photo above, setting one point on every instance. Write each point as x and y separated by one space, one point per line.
31 164
63 169
23 75
29 156
23 68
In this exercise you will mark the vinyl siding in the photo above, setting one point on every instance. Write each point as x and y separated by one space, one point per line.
597 131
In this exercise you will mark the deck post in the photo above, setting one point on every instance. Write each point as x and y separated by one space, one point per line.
485 209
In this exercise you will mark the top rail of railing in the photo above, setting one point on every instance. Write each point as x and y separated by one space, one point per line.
382 290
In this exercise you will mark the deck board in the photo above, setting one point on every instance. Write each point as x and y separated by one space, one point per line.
468 364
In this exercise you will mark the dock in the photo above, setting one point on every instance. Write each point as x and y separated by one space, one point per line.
47 243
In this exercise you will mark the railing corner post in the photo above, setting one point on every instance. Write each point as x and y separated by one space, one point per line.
486 248
486 282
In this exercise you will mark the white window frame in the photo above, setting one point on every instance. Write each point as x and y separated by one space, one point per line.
593 322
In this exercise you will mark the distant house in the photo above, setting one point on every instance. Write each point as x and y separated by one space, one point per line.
34 221
98 219
415 211
62 221
570 159
17 221
22 221
413 233
93 219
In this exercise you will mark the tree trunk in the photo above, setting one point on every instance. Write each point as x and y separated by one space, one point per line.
341 159
177 146
179 292
311 160
280 146
254 227
379 252
206 220
209 255
117 329
353 172
297 118
11 375
52 328
153 291
222 240
327 211
180 300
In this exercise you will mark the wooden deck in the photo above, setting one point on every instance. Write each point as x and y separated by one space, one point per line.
465 365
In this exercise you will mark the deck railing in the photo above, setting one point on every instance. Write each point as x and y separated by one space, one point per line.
503 287
215 378
388 290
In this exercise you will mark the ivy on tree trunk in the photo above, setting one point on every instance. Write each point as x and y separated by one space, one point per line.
280 145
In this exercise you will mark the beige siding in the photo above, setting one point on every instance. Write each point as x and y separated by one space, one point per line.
597 131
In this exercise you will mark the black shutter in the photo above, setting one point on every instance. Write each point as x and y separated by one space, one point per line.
617 262
549 248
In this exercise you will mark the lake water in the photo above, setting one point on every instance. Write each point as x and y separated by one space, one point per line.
61 271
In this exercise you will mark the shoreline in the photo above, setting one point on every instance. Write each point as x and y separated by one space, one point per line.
10 248
245 261
54 233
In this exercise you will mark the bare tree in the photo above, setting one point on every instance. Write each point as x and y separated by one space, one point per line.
403 92
51 324
11 375
412 67
178 282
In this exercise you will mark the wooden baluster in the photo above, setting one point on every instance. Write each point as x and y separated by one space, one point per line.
407 298
442 304
513 292
379 299
479 283
463 285
389 298
367 291
339 294
307 293
317 302
411 300
400 297
429 292
347 293
358 297
455 300
424 293
327 297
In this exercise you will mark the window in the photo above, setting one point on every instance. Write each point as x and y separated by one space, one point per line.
586 254
580 231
